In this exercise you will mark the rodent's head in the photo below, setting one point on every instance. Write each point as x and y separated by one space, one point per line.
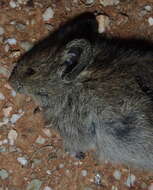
40 73
59 59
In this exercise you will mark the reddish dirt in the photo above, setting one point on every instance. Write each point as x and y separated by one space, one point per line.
47 161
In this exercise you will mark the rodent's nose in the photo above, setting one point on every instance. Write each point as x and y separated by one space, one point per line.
17 86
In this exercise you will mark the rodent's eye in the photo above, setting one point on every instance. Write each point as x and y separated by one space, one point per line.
30 71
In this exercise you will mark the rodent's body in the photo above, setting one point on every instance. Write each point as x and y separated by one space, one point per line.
97 92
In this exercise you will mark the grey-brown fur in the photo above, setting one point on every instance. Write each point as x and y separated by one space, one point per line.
97 91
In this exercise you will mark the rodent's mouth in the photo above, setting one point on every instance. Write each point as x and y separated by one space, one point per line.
17 85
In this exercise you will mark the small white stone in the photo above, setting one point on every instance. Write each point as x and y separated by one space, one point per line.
103 23
84 173
13 22
2 97
148 8
12 4
7 111
15 117
47 188
61 166
49 172
12 136
89 2
48 14
3 174
15 54
97 179
11 41
6 48
13 93
114 188
47 132
117 174
109 2
130 180
150 20
40 140
5 141
22 160
20 111
1 30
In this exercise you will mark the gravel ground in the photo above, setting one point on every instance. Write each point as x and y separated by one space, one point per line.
31 155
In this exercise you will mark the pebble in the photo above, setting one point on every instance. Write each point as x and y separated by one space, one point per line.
11 41
13 93
61 166
148 8
117 174
2 148
150 186
6 48
88 2
12 4
3 174
47 132
15 54
130 180
109 2
15 117
5 141
12 136
103 23
84 173
114 188
20 26
35 184
48 14
22 1
97 179
40 140
150 20
49 27
7 111
23 161
26 45
49 172
2 97
47 188
1 30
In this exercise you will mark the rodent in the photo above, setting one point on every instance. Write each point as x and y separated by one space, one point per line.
96 90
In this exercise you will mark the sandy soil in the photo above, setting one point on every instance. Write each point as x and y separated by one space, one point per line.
31 155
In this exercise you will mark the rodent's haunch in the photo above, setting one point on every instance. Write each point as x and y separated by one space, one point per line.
97 91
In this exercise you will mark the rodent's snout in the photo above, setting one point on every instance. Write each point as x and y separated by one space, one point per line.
16 84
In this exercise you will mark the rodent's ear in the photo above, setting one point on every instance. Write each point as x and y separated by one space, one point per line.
76 57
